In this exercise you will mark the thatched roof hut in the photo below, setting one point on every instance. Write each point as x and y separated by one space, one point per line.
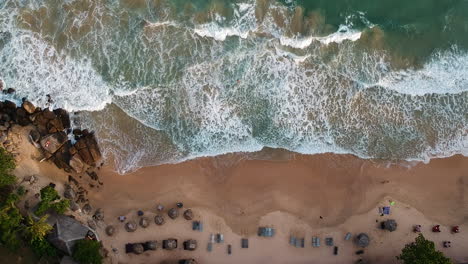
138 248
190 244
159 220
390 225
131 226
170 244
173 213
188 214
110 230
67 231
151 245
362 240
144 222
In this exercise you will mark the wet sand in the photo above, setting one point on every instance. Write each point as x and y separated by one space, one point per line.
235 196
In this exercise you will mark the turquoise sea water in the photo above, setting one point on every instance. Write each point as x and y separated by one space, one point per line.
164 81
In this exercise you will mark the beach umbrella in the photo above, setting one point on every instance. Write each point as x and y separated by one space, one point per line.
144 222
390 225
152 244
110 230
131 226
159 220
173 213
138 248
188 214
362 240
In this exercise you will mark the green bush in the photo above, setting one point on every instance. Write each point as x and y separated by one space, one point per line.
7 165
42 248
50 199
422 251
87 252
20 191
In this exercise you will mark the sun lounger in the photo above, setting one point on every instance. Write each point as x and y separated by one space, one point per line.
219 238
229 249
244 243
197 226
386 210
212 238
302 242
335 251
210 247
266 232
347 236
315 242
292 240
329 241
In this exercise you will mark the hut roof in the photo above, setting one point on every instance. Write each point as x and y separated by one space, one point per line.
67 231
170 243
362 240
390 225
173 213
159 220
188 214
190 244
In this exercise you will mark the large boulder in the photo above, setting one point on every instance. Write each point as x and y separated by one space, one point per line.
173 213
69 193
390 225
77 164
362 240
188 214
159 220
144 222
131 226
53 142
87 209
28 107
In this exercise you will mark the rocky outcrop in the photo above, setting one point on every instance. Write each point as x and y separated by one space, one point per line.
51 133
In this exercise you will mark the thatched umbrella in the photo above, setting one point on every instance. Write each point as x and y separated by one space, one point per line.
362 240
152 244
131 226
170 243
138 248
173 213
390 225
190 244
110 230
159 220
144 222
188 214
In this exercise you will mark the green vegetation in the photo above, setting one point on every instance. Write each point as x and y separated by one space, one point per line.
50 199
422 251
87 252
10 223
7 165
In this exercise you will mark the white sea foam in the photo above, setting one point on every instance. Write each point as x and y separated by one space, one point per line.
343 34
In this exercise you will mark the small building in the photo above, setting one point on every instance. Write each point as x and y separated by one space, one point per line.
67 231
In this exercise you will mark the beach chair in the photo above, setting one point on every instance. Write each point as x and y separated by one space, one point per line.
244 243
212 238
210 247
315 242
386 210
335 251
197 226
229 249
292 240
347 236
302 242
329 241
219 238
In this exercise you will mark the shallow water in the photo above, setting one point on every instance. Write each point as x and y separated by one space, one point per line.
165 81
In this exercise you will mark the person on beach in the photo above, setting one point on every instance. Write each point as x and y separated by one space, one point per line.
436 228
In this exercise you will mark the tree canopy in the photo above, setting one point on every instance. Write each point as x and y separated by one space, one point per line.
7 165
87 252
50 199
422 251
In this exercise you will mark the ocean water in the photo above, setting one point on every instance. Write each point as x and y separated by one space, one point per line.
163 81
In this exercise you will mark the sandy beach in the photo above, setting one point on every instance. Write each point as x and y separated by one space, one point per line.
234 198
303 196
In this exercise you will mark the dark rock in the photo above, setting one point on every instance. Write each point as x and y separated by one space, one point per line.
173 213
87 209
73 150
69 193
99 214
48 114
20 112
11 91
144 222
62 157
74 206
188 214
34 135
92 175
86 156
28 107
72 180
92 224
64 117
77 132
159 220
9 105
51 143
110 230
131 226
55 125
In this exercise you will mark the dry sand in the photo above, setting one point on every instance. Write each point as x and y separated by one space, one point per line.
234 196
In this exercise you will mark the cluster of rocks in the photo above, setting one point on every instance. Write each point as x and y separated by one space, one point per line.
50 133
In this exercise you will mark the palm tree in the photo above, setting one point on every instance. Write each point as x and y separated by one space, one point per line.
37 230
